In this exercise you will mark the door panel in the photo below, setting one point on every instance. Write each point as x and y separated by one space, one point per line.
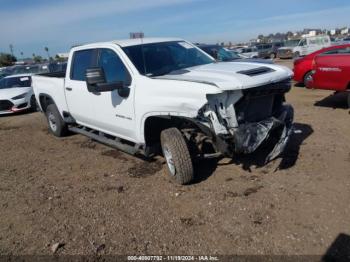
113 112
331 71
78 98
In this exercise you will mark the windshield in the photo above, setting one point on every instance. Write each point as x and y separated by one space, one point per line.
225 55
162 58
13 82
292 43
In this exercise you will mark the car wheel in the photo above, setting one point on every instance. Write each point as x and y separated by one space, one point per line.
56 124
307 78
296 55
348 99
177 156
272 56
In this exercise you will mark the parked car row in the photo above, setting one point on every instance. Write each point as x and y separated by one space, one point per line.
33 69
16 92
222 54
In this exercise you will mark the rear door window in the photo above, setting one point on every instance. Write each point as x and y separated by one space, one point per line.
83 60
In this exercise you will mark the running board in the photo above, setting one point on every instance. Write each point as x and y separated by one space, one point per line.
115 143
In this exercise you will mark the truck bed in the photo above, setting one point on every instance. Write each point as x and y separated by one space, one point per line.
52 85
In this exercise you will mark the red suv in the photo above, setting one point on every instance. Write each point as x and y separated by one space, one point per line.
303 66
331 71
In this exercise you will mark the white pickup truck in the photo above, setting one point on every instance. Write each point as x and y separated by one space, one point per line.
166 96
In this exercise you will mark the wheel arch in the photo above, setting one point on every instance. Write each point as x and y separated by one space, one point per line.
155 124
44 101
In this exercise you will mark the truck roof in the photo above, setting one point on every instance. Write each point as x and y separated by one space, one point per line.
133 42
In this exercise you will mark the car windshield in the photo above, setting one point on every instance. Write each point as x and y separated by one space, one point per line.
162 58
225 55
13 82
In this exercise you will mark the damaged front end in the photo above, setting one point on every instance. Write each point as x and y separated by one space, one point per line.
244 120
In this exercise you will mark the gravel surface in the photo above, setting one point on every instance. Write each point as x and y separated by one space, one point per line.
75 196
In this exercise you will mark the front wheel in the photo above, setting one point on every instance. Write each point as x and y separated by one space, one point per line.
348 99
307 78
177 156
272 56
57 125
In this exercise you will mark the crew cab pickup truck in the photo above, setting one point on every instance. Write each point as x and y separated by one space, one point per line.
166 96
331 71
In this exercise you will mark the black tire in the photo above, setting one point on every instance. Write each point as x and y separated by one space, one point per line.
296 55
33 104
272 56
305 80
348 99
177 156
57 126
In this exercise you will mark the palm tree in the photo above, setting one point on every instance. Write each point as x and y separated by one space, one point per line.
47 51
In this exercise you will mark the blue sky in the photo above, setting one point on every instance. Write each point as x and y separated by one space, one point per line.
32 25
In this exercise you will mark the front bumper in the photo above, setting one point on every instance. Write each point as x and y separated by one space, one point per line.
13 106
273 131
285 54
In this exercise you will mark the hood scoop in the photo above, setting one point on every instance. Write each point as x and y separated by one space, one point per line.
256 71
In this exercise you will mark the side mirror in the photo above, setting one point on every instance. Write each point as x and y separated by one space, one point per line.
96 81
95 76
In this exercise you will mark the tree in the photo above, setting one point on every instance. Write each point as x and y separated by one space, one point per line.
7 59
37 58
47 51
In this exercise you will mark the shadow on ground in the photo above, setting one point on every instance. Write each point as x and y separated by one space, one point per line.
288 158
339 250
337 100
205 168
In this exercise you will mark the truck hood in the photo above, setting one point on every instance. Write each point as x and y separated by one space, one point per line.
9 93
232 75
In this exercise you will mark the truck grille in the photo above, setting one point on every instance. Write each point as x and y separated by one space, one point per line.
5 105
262 102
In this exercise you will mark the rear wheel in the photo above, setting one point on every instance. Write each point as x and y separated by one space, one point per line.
57 125
348 99
177 156
272 55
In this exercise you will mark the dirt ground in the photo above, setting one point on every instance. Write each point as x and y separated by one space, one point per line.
93 199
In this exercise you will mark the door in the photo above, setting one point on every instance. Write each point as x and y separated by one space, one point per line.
333 69
303 45
77 95
114 111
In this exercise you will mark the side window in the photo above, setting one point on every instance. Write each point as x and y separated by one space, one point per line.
113 67
345 50
82 60
303 42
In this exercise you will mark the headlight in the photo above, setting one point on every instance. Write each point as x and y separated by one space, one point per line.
20 96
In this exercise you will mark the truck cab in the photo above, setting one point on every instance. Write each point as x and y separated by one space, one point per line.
166 96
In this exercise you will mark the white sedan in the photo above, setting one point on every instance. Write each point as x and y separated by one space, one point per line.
16 94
